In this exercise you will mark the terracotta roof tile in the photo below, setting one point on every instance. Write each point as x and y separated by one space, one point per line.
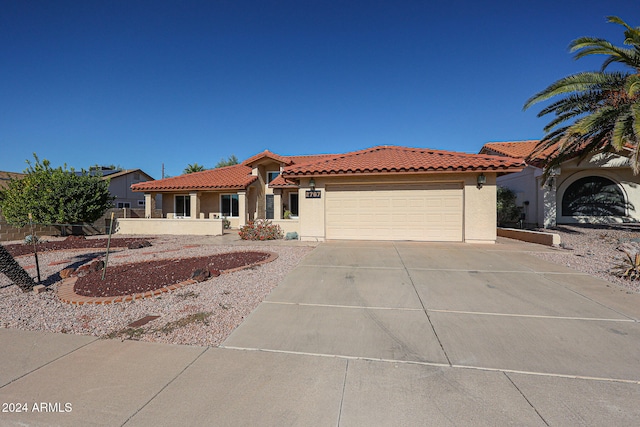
268 155
281 182
519 149
394 159
234 177
523 149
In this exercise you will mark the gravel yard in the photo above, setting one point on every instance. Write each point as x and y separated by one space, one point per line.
594 250
203 313
206 313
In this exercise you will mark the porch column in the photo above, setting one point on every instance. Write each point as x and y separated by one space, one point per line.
194 199
549 203
242 208
277 204
149 204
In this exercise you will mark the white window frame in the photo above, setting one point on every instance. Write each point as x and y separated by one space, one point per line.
232 195
175 205
123 205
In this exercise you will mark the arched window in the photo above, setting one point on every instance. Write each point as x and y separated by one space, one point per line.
593 196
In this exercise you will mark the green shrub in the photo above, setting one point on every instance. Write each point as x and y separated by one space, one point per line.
508 212
260 229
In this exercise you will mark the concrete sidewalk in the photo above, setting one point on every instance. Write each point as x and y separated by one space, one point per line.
363 333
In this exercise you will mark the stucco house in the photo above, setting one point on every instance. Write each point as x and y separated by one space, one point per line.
5 177
380 193
598 189
120 182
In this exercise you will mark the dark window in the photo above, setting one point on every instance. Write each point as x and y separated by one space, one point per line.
183 206
229 204
293 202
269 209
272 175
593 196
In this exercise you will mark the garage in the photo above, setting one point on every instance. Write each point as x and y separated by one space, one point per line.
422 212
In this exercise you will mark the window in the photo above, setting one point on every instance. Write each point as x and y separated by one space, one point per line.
270 206
593 196
272 175
140 202
293 204
124 205
229 205
183 206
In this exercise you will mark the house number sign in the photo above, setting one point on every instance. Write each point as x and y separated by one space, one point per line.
312 194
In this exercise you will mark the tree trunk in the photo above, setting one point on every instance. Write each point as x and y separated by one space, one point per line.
10 268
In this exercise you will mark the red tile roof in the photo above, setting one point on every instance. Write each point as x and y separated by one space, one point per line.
384 159
234 177
266 154
280 182
393 159
519 149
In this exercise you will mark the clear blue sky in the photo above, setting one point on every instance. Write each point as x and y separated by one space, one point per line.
142 83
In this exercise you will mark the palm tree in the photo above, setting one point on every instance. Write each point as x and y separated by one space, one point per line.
230 161
191 168
598 111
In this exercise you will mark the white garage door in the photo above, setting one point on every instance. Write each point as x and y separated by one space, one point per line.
429 212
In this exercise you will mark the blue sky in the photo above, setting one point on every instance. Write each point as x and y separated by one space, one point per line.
142 83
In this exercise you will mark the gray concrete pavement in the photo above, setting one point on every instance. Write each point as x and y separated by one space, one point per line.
364 333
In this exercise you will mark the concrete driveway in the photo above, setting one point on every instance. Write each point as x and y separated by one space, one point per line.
363 334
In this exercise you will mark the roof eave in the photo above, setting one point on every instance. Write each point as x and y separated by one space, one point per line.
508 169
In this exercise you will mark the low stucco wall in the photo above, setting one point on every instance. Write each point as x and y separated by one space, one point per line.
287 225
199 227
541 238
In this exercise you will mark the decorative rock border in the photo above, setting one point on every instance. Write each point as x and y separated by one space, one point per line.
67 294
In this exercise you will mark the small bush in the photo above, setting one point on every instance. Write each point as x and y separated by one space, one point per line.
508 212
30 240
260 229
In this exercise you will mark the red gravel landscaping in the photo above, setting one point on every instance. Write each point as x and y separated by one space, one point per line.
142 277
19 249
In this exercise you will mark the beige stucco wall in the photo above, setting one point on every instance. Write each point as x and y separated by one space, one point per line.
479 209
479 204
287 225
200 227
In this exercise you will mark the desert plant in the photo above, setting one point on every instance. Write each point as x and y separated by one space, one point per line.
31 239
261 229
287 214
629 267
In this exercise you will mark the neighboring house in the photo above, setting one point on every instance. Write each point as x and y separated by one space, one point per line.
598 189
120 182
5 177
381 193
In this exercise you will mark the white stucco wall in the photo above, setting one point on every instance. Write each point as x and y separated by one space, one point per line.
527 184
